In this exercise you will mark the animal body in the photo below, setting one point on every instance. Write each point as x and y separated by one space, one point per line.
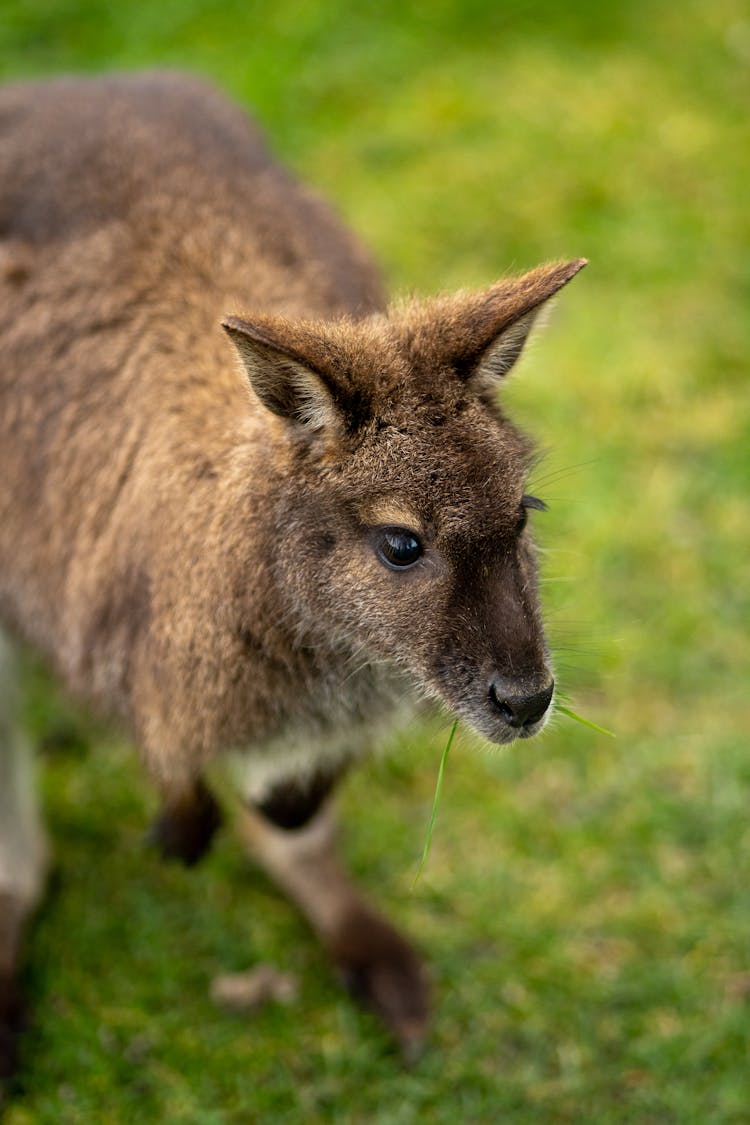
243 502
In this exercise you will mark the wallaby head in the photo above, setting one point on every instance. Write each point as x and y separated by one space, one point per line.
401 524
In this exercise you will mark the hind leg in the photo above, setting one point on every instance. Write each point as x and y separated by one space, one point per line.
22 860
296 842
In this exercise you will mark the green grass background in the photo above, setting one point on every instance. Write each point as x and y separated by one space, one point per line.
585 907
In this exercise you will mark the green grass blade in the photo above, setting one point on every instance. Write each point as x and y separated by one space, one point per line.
586 722
435 803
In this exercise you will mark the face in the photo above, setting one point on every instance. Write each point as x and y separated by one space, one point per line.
434 568
405 518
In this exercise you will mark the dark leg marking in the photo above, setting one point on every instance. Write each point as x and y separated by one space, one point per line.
291 804
185 827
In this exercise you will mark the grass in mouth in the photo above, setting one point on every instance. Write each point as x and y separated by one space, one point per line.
435 803
564 710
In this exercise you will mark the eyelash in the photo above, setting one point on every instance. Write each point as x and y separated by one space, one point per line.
527 502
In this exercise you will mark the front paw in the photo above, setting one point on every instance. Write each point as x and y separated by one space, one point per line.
184 830
385 974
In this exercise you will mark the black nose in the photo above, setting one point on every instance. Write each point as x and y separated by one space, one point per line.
519 710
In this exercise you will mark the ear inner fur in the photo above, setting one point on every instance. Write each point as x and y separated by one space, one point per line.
503 353
515 313
283 382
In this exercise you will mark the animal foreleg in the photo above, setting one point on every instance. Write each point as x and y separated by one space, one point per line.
377 964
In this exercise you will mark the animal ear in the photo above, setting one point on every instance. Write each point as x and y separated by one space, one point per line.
497 323
282 379
498 358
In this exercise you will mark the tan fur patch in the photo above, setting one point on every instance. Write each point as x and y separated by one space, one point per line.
392 513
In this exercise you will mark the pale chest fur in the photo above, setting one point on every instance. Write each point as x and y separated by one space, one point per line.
348 720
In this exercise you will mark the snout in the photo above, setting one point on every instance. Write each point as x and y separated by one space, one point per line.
523 711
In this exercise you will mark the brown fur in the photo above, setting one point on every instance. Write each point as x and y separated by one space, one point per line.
189 539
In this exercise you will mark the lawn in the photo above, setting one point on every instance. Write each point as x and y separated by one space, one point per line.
586 904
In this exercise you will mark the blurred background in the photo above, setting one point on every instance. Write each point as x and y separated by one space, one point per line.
585 907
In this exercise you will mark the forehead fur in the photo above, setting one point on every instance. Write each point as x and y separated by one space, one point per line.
407 425
421 447
462 475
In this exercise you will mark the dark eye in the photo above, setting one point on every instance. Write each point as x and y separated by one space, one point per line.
399 549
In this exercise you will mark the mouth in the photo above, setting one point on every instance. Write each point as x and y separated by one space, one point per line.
536 728
508 735
499 733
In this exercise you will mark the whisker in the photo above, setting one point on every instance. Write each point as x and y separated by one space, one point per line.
561 474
